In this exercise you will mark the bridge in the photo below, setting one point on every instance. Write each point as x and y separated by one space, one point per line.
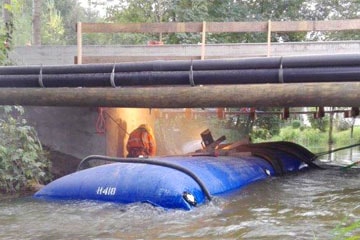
296 94
266 94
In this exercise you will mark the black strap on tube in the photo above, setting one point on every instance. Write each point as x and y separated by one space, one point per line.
281 71
112 77
191 75
41 83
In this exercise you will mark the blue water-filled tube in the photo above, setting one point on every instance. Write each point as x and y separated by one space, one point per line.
174 182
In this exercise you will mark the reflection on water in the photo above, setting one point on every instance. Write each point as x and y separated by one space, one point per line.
342 157
308 205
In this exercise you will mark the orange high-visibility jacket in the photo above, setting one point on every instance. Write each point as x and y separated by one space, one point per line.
141 142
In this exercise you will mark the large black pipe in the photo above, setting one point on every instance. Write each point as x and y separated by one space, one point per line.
324 74
220 77
337 60
340 60
65 80
142 78
185 65
244 76
335 68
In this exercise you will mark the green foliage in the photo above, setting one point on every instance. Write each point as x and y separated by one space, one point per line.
53 30
6 33
343 138
71 13
21 17
260 135
296 124
326 10
22 158
321 124
306 137
4 49
59 21
202 10
343 124
347 230
241 10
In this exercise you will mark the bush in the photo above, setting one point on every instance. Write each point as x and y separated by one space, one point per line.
343 125
289 134
260 133
296 124
343 138
22 159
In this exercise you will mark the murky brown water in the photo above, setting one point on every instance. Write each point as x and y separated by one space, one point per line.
308 205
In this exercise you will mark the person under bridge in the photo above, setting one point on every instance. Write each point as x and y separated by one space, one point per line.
141 142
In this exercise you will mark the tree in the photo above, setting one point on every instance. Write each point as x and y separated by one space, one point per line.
6 37
332 10
214 10
71 12
53 33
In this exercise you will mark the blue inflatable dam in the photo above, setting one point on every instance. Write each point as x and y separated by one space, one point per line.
174 182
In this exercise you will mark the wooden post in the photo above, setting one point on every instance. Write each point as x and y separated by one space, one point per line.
203 40
285 114
331 138
36 20
355 112
320 112
79 42
269 39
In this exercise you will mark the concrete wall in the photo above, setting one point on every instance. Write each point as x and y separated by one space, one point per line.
70 130
43 55
73 131
60 55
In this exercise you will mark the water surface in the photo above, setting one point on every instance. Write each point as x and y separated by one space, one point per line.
314 204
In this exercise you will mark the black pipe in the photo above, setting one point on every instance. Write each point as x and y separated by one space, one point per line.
241 76
245 76
183 65
333 68
324 74
65 80
337 60
340 60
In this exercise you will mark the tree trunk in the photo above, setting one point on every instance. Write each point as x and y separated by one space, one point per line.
331 140
6 13
36 22
9 26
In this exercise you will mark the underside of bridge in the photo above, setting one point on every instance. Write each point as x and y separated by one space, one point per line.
132 90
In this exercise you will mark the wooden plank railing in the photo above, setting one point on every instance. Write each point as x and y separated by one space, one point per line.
202 28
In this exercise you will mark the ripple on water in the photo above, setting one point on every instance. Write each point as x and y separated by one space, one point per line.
308 205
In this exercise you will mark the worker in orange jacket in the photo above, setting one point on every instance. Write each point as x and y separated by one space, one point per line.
141 142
